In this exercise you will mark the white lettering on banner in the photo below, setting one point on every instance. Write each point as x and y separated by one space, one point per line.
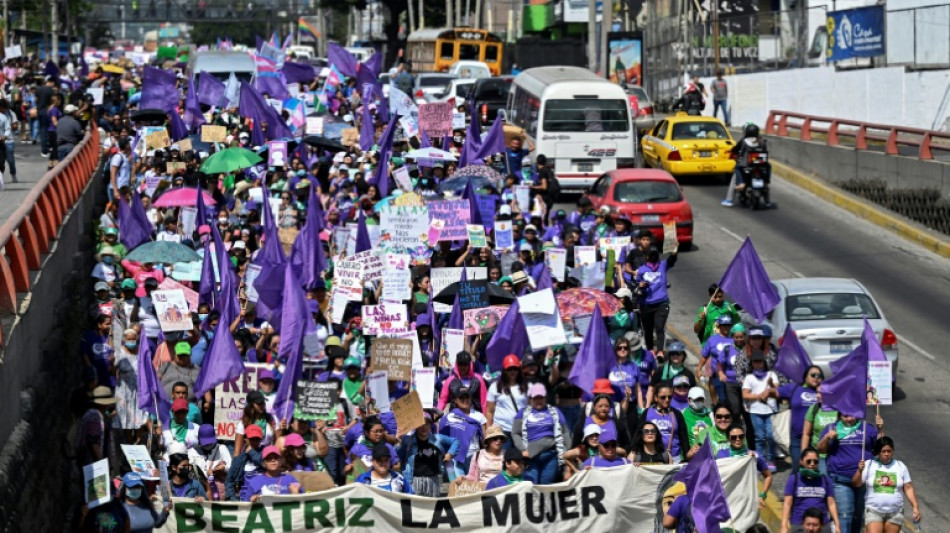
625 498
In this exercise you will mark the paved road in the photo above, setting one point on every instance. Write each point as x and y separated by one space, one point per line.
808 237
30 168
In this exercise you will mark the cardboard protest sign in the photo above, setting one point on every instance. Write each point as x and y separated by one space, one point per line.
617 244
476 235
191 296
453 342
213 134
409 126
440 278
503 235
408 412
96 483
174 167
483 320
287 237
230 398
348 280
338 304
880 390
393 356
172 311
670 244
523 197
184 145
462 486
585 255
313 481
165 485
277 153
187 271
140 461
581 324
188 217
96 93
351 136
251 273
377 388
423 384
13 52
456 215
158 139
371 264
458 120
435 119
314 126
315 400
473 294
384 318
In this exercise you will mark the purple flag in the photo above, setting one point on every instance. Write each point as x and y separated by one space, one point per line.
179 130
257 136
210 89
544 280
846 390
493 143
83 67
875 352
456 317
227 300
193 117
206 284
252 105
747 283
792 359
381 175
474 213
298 72
222 361
152 398
271 259
132 230
363 242
374 64
158 90
595 356
705 491
292 329
51 70
307 254
344 61
367 127
510 337
473 139
271 84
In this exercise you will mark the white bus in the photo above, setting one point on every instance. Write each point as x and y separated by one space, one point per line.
578 120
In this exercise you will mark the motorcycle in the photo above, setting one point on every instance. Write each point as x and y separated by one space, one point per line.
756 176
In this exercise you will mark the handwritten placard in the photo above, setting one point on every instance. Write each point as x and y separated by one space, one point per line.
476 235
423 383
351 136
401 175
184 145
230 399
314 125
458 120
404 225
435 119
472 294
396 284
408 412
463 486
456 215
393 356
157 140
213 134
503 235
377 385
384 318
483 320
670 244
174 167
316 400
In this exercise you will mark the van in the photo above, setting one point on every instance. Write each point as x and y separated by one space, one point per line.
470 70
222 63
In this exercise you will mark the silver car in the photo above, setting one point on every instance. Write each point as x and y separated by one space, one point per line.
428 85
827 315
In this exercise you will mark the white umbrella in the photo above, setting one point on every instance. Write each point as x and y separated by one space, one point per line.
432 154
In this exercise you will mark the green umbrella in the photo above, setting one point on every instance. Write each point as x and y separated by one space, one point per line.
163 252
229 160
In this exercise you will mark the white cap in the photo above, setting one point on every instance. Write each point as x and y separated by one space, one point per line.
239 245
591 429
504 210
624 292
696 393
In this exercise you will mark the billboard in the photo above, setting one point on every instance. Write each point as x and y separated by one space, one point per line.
625 61
856 33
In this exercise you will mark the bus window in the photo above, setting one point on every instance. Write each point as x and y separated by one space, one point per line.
586 115
468 52
491 53
447 51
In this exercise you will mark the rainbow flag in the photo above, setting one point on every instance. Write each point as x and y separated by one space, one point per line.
305 30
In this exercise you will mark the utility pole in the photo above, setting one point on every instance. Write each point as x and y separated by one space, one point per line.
409 15
448 15
54 29
715 43
592 35
478 14
458 13
606 22
422 15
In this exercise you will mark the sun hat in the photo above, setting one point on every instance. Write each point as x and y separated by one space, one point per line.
493 432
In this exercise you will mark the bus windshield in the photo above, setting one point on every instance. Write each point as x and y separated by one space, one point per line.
586 115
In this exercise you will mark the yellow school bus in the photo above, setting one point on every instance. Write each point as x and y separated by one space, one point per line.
435 49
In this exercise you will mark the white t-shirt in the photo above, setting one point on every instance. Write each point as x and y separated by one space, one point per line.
758 386
885 485
206 463
505 411
104 272
268 433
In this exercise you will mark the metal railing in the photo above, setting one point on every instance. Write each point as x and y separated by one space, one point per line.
28 232
863 134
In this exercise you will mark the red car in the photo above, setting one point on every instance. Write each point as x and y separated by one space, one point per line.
648 197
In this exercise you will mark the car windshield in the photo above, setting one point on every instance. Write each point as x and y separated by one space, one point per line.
639 93
830 306
698 130
586 115
462 90
494 89
644 192
433 81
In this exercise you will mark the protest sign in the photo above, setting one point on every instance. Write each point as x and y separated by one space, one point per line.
473 294
541 319
413 337
351 136
591 276
404 225
435 230
96 93
96 483
171 308
440 278
456 215
670 244
13 52
397 261
408 199
250 274
338 303
585 255
277 153
152 182
581 324
229 400
340 236
423 384
401 175
556 260
377 388
313 481
371 264
278 105
435 119
348 280
173 167
384 318
140 461
314 126
503 236
164 484
523 197
184 145
476 235
315 400
483 320
394 356
397 284
157 140
453 342
213 134
189 218
409 126
458 120
187 271
408 413
462 486
617 244
287 237
624 498
191 296
880 390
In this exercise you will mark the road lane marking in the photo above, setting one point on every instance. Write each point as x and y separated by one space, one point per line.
916 348
731 234
798 274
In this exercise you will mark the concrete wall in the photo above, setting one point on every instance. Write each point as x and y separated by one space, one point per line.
39 370
835 164
882 95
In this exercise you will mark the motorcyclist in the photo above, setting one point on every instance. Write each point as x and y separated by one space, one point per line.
691 101
751 142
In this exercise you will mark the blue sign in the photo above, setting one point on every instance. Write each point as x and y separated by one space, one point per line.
856 33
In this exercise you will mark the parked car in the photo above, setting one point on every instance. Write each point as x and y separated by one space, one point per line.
827 315
490 95
648 197
428 85
643 120
689 145
470 69
459 89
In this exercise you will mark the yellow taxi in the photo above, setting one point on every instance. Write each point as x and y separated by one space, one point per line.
686 145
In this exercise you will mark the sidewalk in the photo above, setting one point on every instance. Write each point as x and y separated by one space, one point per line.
30 167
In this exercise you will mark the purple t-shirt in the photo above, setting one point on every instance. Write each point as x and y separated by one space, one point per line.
683 513
607 431
365 453
807 493
844 454
266 485
667 426
715 345
54 112
680 404
647 365
727 360
539 424
800 398
600 462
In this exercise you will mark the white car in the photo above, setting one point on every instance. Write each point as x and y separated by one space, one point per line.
458 89
470 69
428 85
827 315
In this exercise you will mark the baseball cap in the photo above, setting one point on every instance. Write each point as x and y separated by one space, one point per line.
182 348
294 439
624 293
206 436
724 320
531 227
265 374
132 479
270 450
70 108
680 381
511 361
255 396
381 450
591 429
696 393
463 393
537 389
111 230
525 247
128 283
757 355
253 432
756 332
351 361
504 210
101 286
179 404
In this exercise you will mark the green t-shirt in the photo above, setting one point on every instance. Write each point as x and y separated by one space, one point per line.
713 312
696 425
819 418
718 439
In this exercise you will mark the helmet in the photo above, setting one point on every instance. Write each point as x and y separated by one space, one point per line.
751 130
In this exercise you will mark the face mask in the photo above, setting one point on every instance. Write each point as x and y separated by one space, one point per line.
134 493
809 473
108 260
301 173
202 316
222 221
131 344
697 405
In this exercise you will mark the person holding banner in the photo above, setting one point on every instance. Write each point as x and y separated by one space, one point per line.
607 457
671 423
648 447
514 471
182 479
848 443
212 459
807 489
465 425
737 448
374 433
272 480
890 481
180 428
139 511
295 453
424 456
381 475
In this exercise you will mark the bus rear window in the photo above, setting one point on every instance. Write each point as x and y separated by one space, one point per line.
468 52
447 51
586 115
491 53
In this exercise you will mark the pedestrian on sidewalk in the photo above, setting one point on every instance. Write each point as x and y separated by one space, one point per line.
9 124
720 94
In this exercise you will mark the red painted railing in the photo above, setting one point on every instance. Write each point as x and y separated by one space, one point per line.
28 232
781 122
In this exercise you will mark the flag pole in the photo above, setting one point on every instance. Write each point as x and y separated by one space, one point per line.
864 439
